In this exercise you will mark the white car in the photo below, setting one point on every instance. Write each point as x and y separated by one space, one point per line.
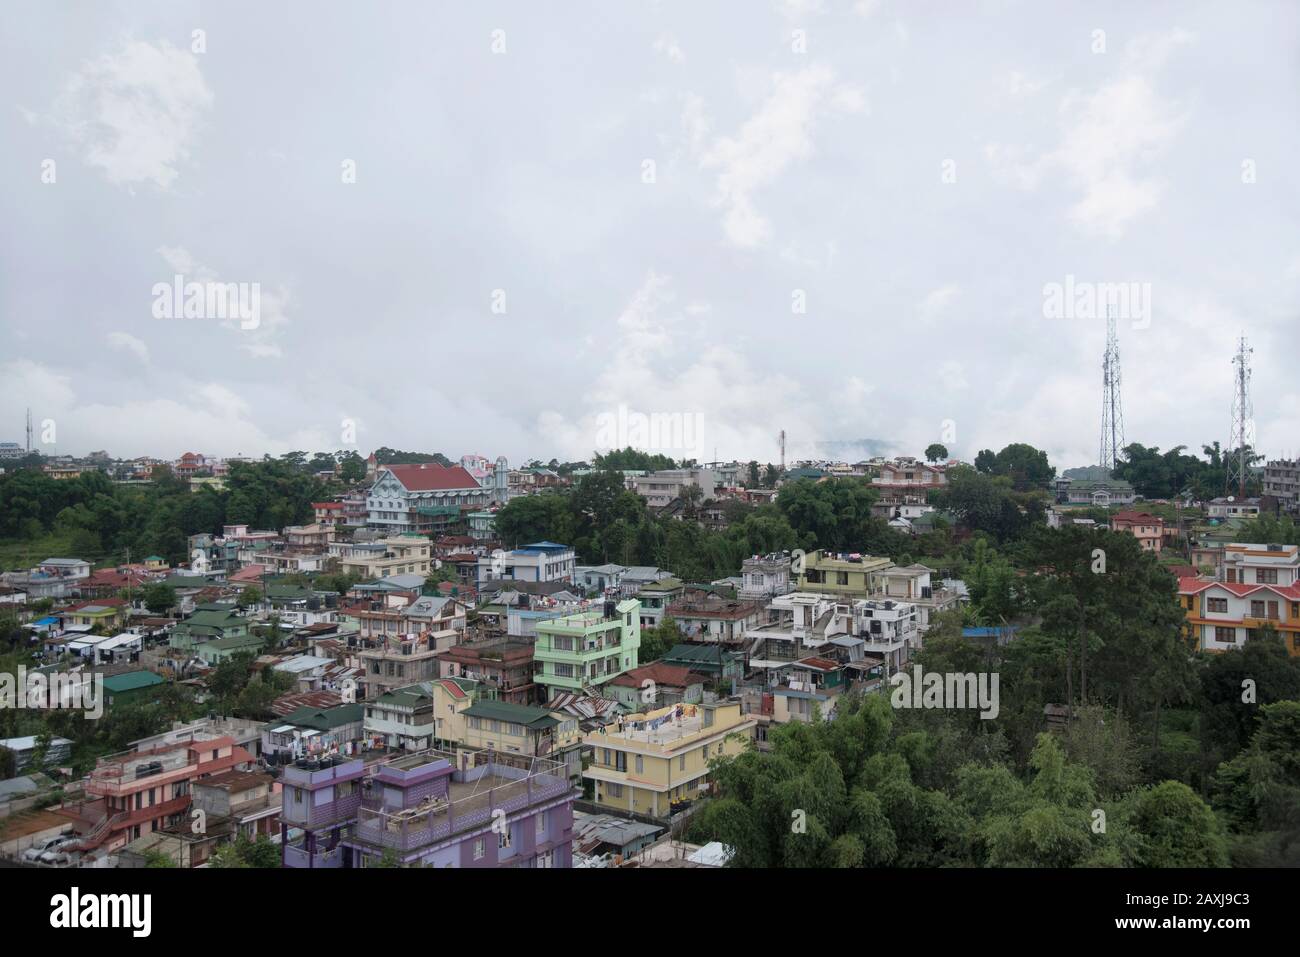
34 852
56 855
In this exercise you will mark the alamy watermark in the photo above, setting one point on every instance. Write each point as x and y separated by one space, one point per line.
652 432
237 301
64 690
948 690
1130 301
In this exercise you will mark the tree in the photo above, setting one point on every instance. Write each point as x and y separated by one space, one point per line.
936 453
159 597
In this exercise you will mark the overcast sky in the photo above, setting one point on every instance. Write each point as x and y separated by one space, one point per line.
835 218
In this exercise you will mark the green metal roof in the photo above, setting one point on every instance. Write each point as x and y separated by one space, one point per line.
131 680
323 719
535 718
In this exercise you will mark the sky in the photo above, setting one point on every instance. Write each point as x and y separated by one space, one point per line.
540 230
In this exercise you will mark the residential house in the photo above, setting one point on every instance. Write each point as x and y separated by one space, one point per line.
582 652
656 685
1148 529
649 762
538 562
707 617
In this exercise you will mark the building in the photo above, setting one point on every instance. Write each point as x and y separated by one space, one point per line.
654 760
1282 482
539 562
707 617
1259 587
582 652
599 578
136 792
429 809
863 576
428 498
406 554
523 729
1231 507
503 664
403 719
657 685
328 513
1100 492
208 623
314 733
844 575
1148 529
660 488
400 660
655 597
765 576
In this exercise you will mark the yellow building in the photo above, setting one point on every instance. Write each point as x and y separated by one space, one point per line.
399 555
828 574
650 761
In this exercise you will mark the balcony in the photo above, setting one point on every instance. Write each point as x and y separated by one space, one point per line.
315 816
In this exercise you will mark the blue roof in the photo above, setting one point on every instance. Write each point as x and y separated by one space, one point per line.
986 632
47 621
543 547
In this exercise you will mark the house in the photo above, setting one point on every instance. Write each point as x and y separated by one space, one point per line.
1260 587
1231 507
313 732
1099 492
104 615
403 719
584 651
131 687
503 664
599 579
208 623
863 576
713 661
328 513
407 554
707 617
1148 529
662 487
656 685
655 597
69 569
765 576
214 652
650 761
538 562
1282 482
139 791
58 751
429 809
523 729
399 660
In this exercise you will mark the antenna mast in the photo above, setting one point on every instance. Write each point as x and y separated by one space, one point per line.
1112 408
1243 420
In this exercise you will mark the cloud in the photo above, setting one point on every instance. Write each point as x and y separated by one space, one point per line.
124 340
936 302
134 114
1108 144
779 134
668 46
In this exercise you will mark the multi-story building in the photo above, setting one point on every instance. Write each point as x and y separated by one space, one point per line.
655 597
662 487
705 616
765 576
1100 492
523 729
399 555
1282 481
804 624
135 792
403 719
657 685
1258 587
430 809
582 652
863 576
503 664
1148 529
400 660
654 760
539 562
427 498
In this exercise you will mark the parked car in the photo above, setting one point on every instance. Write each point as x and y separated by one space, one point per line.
34 852
56 855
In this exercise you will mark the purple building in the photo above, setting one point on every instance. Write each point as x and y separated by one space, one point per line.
432 809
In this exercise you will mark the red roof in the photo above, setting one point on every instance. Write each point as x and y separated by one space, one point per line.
1192 586
1138 518
821 664
670 676
430 476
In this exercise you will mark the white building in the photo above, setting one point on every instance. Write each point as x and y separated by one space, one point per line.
539 562
662 487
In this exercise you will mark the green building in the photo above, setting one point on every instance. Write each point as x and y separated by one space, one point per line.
583 651
131 686
208 623
223 649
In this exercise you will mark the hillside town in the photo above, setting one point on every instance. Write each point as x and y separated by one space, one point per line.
415 673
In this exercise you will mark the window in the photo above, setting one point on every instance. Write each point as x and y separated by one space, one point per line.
1256 609
681 763
615 790
640 764
541 823
1228 635
503 839
480 848
1266 576
1217 604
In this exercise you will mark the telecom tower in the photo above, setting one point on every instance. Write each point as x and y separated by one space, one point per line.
782 440
29 431
1243 420
1112 409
